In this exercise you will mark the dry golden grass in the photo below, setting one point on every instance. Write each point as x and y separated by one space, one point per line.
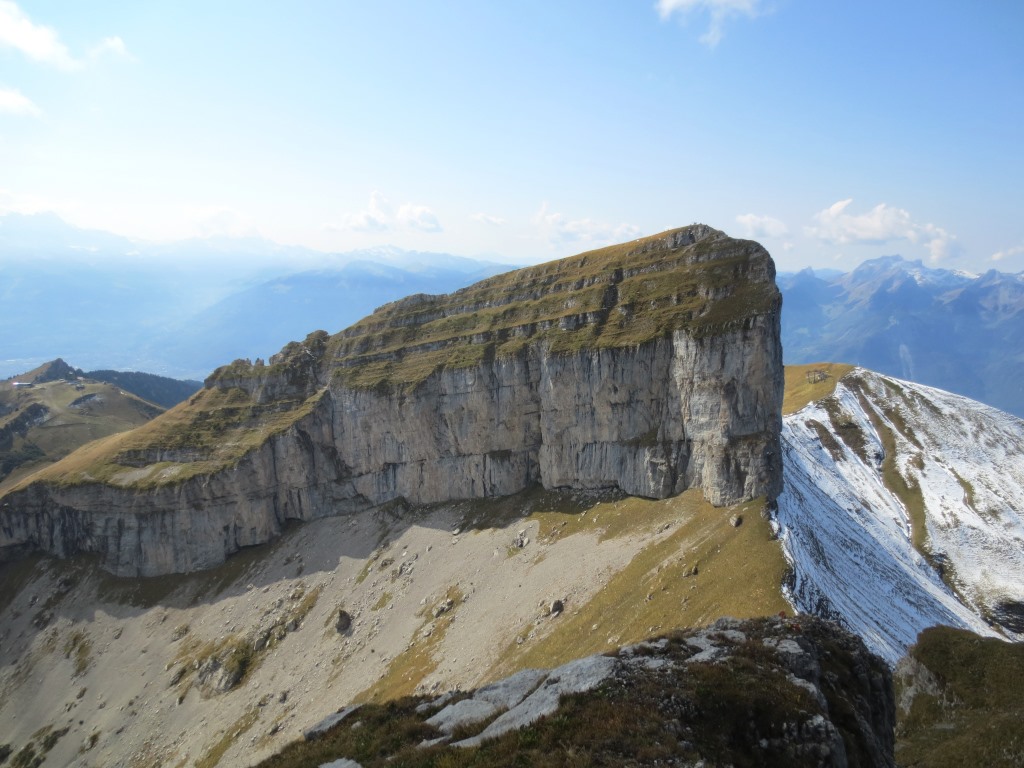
739 573
219 426
74 417
800 392
232 734
974 717
638 291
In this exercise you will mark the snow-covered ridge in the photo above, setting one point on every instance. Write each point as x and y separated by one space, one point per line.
858 465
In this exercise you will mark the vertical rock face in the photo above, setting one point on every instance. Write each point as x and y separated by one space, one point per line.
650 367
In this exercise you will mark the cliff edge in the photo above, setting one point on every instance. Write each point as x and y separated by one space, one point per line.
650 367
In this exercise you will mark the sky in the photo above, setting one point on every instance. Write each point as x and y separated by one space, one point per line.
832 132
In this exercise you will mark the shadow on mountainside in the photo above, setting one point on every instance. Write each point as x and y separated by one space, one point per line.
68 588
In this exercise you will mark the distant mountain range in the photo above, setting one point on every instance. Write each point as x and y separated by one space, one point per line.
948 329
182 309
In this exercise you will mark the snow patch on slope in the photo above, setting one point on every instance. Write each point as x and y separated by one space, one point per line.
848 535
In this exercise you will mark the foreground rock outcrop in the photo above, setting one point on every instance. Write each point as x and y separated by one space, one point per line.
796 692
650 367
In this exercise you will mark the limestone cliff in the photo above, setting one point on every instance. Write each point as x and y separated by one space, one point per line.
651 367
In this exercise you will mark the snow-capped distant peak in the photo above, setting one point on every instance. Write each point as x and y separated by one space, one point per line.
940 278
965 274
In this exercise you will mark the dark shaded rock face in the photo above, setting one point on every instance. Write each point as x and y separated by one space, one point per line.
55 370
1010 614
770 692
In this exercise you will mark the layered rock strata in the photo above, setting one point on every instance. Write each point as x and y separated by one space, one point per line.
649 367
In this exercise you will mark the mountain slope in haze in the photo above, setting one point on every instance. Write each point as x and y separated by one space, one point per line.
944 328
159 390
257 320
903 509
181 309
47 413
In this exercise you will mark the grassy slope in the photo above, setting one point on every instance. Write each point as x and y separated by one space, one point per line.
693 714
975 716
740 571
75 417
800 392
739 574
219 425
649 290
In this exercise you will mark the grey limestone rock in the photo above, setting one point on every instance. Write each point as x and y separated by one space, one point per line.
575 677
689 404
489 700
465 712
318 730
838 708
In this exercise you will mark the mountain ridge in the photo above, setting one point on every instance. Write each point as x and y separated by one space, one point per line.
651 367
894 487
48 412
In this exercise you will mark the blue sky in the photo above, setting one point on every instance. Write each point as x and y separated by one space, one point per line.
832 132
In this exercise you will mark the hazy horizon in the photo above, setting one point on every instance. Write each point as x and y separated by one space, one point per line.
831 133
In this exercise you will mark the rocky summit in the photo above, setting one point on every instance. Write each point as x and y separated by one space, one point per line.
762 692
650 367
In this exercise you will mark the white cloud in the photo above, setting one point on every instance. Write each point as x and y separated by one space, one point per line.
719 11
559 230
1008 253
110 45
418 217
41 43
882 224
756 226
14 102
879 225
36 41
380 216
941 244
485 218
375 218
